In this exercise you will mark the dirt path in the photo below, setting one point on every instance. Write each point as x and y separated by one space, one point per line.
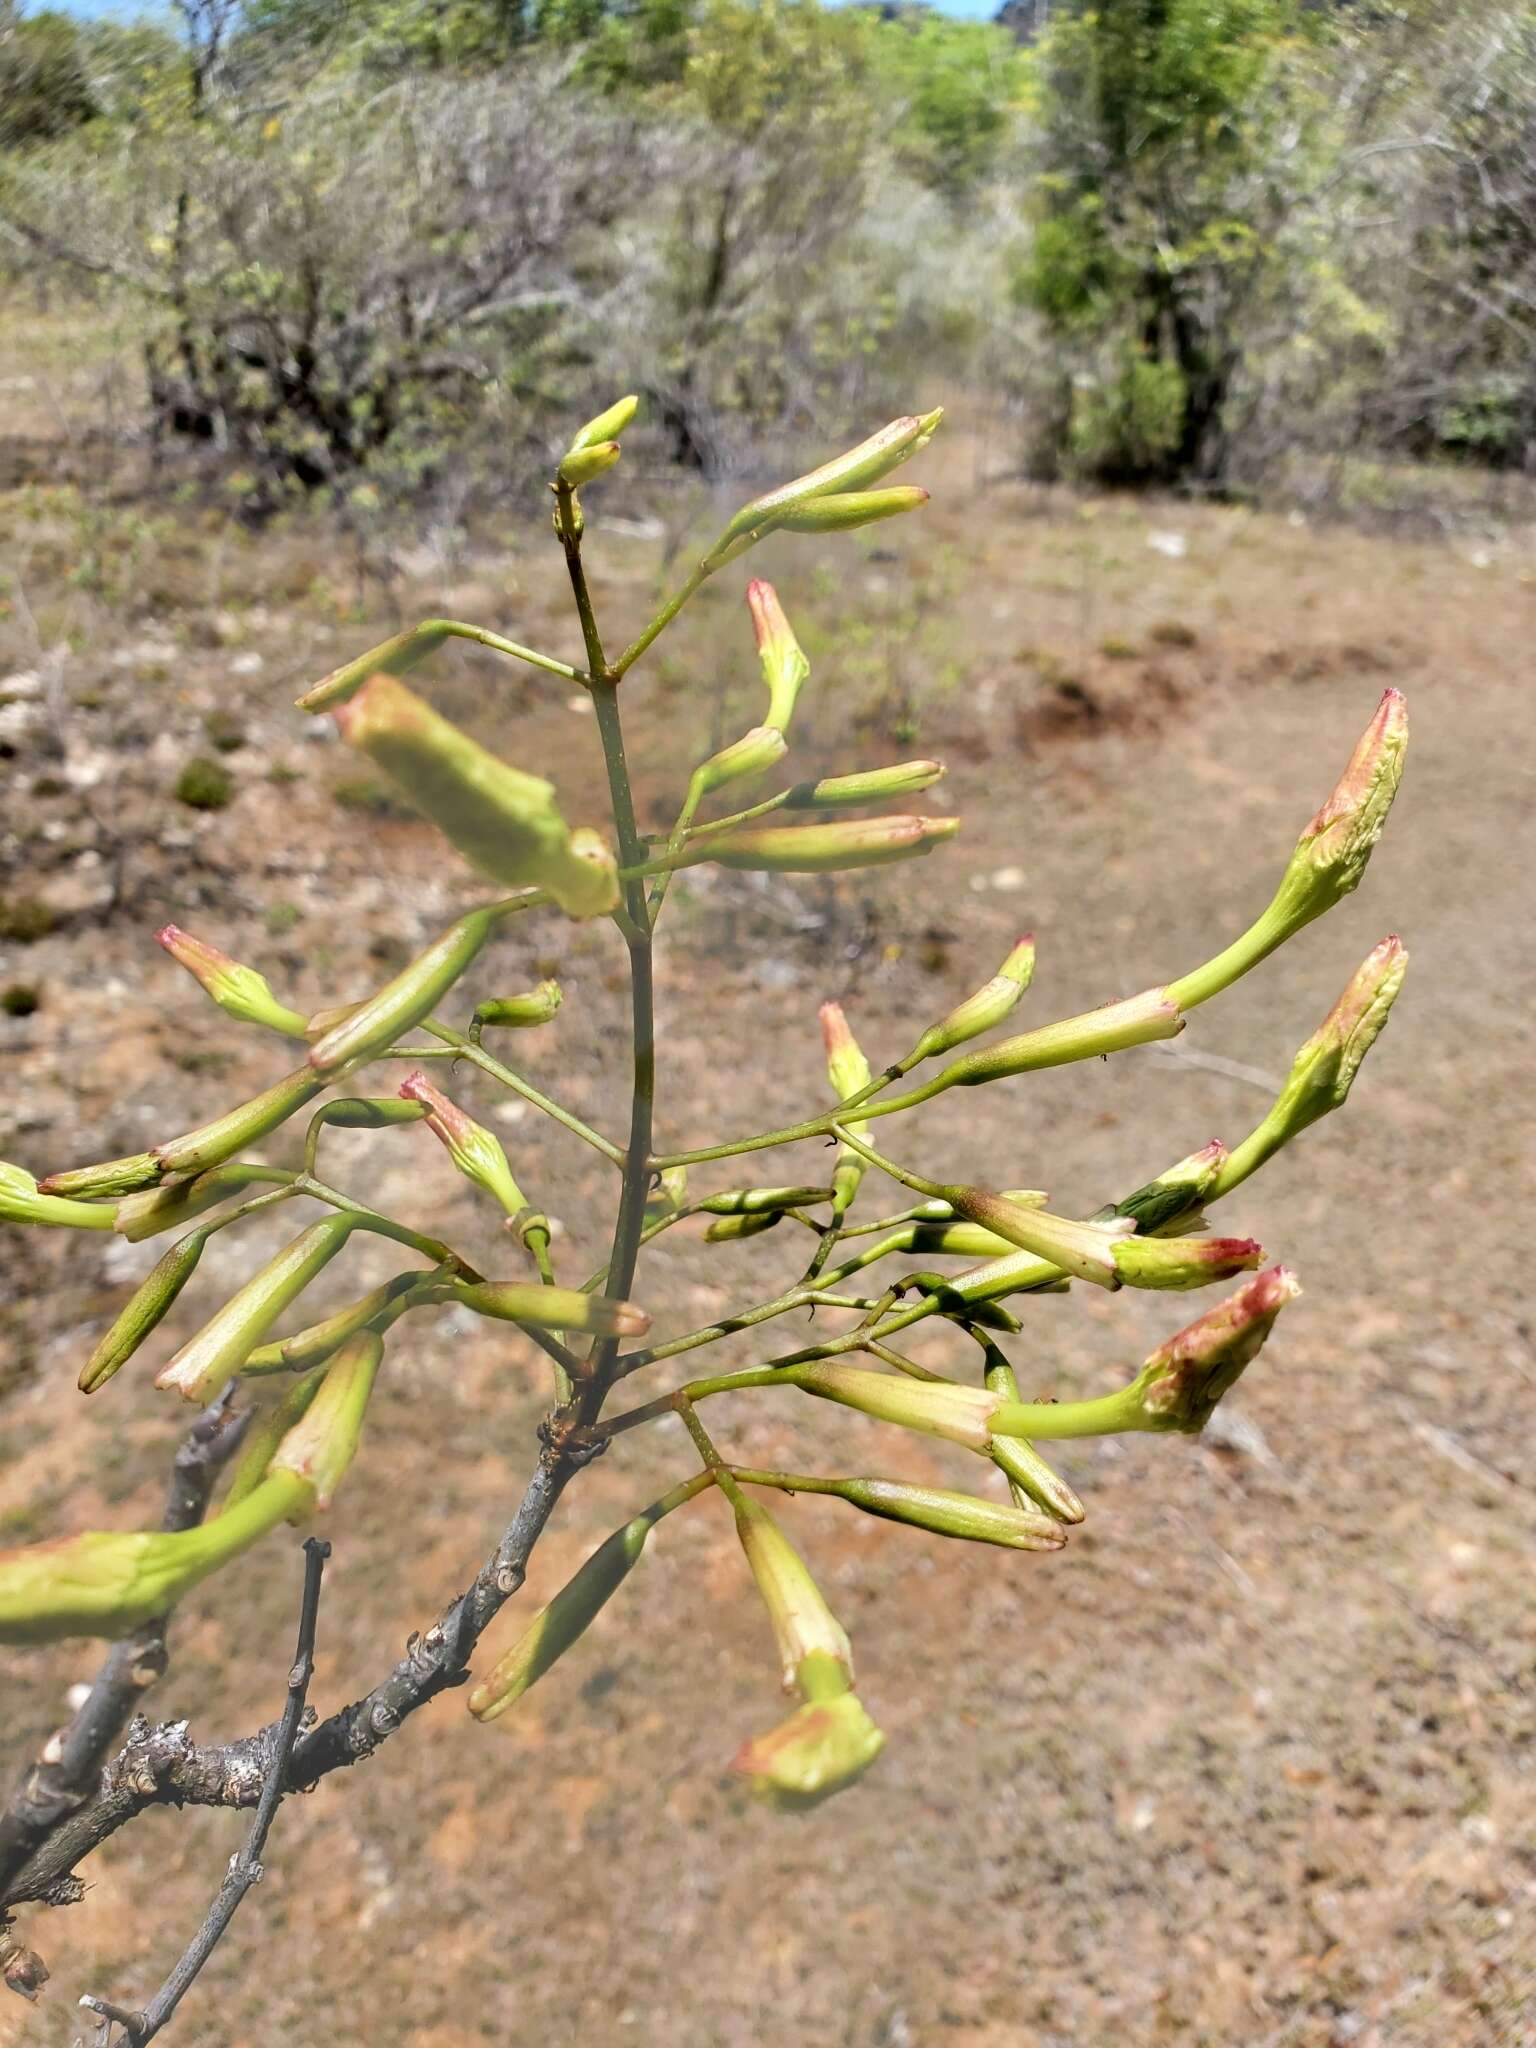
1252 1762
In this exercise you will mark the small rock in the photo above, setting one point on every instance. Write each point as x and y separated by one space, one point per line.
1173 545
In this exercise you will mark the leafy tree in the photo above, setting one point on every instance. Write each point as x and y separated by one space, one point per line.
45 87
954 85
1155 223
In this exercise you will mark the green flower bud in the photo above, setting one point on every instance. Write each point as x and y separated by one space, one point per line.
761 1201
848 1072
1183 1262
313 1346
753 754
728 1229
821 849
212 1143
517 1013
1324 1070
154 1210
548 1308
952 1514
989 1006
402 1003
1174 1200
1180 1384
267 1428
803 1624
145 1309
369 1113
607 425
936 1407
21 1202
505 822
849 472
1332 853
473 1149
1138 1020
105 1584
1029 1476
239 991
396 657
869 786
580 465
1330 856
111 1177
323 1442
564 1621
850 509
820 1750
204 1366
784 665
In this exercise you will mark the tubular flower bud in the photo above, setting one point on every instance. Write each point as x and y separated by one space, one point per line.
753 754
1103 1251
1138 1020
396 657
402 1003
944 1513
1323 1071
1029 1477
239 991
989 1006
820 1750
21 1202
110 1177
848 1072
761 1201
821 849
205 1365
936 1407
803 1624
607 425
580 465
153 1210
567 1618
865 464
728 1229
1178 1263
784 665
849 509
868 786
369 1112
267 1429
213 1143
549 1308
472 1148
104 1584
517 1013
1332 853
1173 1201
145 1309
503 821
1181 1383
323 1442
313 1346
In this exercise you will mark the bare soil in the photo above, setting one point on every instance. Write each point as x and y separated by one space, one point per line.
1252 1761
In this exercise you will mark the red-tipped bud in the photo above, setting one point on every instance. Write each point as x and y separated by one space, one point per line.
1181 1383
784 665
239 991
1177 1263
472 1148
821 849
822 1749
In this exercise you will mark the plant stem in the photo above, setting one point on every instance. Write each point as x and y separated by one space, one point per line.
464 1048
629 1223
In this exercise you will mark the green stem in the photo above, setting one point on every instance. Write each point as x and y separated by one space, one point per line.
659 624
461 1047
484 638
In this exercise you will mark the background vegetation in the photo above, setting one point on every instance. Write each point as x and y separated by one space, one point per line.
384 244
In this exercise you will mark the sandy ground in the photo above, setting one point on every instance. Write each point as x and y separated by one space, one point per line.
1252 1761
